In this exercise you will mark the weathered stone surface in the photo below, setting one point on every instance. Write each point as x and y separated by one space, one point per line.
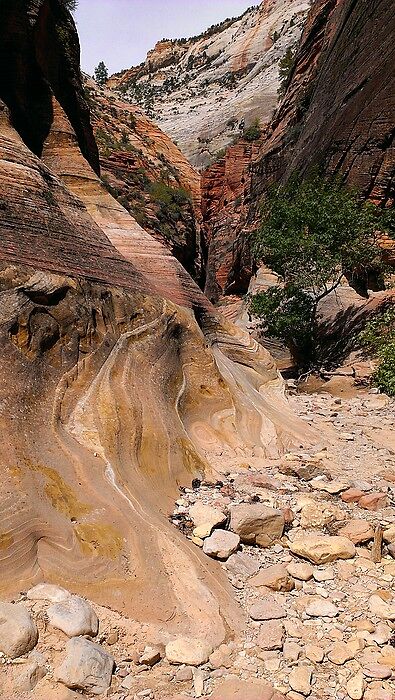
321 549
18 632
357 531
300 679
382 609
242 565
204 515
221 544
389 534
74 616
271 635
186 650
275 577
47 591
373 501
150 656
300 570
352 495
27 676
246 690
267 609
356 686
376 670
256 523
86 666
318 607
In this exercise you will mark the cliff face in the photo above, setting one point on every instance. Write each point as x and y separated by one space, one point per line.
339 107
119 382
198 90
337 114
148 175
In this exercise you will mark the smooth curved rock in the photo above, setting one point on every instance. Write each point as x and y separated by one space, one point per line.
246 690
47 591
18 632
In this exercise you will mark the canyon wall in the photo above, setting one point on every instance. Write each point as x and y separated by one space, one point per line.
199 90
119 381
337 114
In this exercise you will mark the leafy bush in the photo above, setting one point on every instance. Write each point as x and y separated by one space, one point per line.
313 232
378 338
253 132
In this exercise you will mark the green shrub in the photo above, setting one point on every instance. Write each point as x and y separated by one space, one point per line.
313 232
286 64
253 132
378 338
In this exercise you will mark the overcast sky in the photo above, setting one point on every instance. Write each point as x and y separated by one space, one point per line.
120 32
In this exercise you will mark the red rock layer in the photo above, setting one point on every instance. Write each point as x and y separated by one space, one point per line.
225 188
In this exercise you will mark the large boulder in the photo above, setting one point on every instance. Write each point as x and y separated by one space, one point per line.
235 689
186 650
86 667
221 544
74 616
321 549
256 523
18 632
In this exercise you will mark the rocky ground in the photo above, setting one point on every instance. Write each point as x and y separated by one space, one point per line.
301 544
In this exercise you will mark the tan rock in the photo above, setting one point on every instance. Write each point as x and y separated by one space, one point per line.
321 549
357 531
235 689
267 609
275 577
150 656
74 616
186 650
356 686
332 487
382 609
300 679
318 607
256 523
300 570
376 670
340 653
242 565
271 635
206 518
389 534
47 591
314 653
316 515
221 544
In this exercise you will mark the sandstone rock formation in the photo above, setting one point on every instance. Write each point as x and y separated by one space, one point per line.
337 114
198 90
120 380
146 172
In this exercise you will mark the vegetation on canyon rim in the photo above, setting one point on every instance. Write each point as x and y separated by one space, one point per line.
314 232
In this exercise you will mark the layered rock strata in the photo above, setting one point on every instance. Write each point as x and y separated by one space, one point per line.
119 380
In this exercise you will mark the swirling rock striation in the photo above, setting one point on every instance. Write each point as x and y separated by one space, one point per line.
119 380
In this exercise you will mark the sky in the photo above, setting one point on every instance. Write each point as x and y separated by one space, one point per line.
120 32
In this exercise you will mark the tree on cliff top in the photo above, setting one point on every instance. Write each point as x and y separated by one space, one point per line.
71 5
313 233
101 73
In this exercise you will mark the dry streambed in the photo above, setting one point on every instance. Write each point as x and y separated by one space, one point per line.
308 545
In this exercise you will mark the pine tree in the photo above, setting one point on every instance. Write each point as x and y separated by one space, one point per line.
101 74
